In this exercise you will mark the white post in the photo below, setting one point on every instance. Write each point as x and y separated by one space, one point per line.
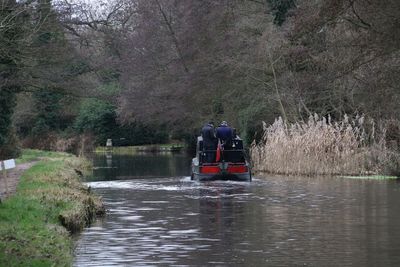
109 145
3 167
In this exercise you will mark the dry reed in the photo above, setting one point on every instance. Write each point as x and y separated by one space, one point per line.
323 147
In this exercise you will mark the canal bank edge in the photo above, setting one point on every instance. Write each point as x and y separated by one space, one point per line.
50 204
128 150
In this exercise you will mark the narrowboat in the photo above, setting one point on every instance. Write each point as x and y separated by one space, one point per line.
223 163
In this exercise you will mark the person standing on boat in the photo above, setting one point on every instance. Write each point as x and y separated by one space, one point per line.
225 134
209 141
225 137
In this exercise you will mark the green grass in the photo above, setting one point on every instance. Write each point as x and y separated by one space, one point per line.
50 203
29 235
34 154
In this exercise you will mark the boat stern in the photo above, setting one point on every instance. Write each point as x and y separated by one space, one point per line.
221 171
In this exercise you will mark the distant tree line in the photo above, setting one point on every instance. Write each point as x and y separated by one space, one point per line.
183 62
48 74
171 65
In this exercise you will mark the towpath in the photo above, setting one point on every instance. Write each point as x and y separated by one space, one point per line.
8 186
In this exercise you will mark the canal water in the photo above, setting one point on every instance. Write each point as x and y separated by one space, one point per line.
157 216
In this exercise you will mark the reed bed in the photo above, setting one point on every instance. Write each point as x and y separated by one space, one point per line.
321 146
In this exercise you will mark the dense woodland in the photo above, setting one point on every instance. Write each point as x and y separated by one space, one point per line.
149 71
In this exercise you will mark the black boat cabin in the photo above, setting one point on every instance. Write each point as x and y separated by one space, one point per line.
224 162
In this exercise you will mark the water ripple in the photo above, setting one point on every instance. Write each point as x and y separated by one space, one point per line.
271 222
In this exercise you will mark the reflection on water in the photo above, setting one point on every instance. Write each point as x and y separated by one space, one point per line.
270 222
109 166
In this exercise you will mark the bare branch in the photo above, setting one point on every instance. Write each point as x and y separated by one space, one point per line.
173 36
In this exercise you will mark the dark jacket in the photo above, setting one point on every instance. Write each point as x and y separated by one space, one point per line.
208 134
225 133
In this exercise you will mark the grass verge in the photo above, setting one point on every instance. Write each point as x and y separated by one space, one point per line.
50 204
34 154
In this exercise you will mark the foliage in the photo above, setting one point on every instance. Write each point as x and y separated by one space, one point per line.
190 70
8 140
34 55
7 102
180 63
48 108
250 119
280 9
98 117
342 58
11 149
139 134
10 57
